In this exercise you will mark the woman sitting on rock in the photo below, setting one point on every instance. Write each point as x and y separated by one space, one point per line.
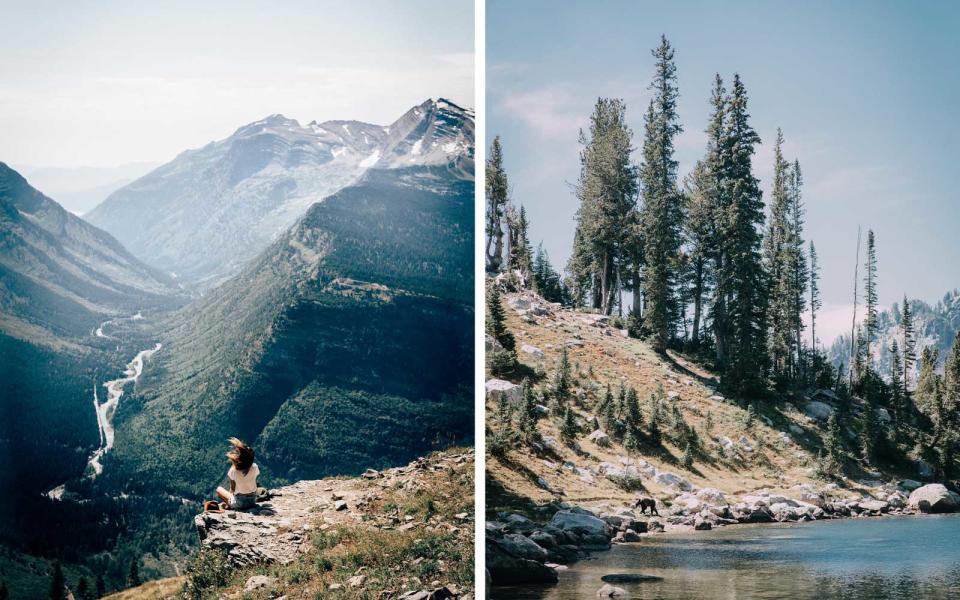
243 477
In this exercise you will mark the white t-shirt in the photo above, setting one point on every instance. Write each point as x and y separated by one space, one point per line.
246 484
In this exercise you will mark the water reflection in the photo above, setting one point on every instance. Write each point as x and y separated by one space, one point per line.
856 559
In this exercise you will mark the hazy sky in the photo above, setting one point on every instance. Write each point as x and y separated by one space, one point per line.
866 93
108 83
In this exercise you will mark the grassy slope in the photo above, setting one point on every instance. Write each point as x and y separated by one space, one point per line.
613 358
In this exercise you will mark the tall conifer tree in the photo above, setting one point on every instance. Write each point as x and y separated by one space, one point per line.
607 190
743 280
496 193
662 213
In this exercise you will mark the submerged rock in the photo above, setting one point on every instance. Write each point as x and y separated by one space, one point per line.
610 591
629 578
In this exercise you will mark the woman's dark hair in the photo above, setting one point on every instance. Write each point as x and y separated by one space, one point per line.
241 455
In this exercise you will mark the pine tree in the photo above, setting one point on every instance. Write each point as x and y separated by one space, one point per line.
743 280
699 232
777 258
497 321
528 410
521 253
58 586
634 416
798 261
833 443
546 280
496 193
568 428
662 213
83 590
951 376
869 429
928 382
687 459
101 586
909 344
561 378
815 302
607 190
716 163
653 426
4 592
897 399
870 324
133 577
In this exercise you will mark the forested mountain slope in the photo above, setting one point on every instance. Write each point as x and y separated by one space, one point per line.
347 344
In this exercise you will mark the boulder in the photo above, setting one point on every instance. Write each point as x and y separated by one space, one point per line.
519 303
599 437
819 411
507 568
701 524
491 344
522 546
518 523
934 498
532 351
924 470
544 539
910 484
579 521
497 387
874 506
672 480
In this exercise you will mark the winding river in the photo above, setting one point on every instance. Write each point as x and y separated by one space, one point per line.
916 557
107 409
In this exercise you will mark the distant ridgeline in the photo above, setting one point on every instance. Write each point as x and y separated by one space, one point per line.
936 326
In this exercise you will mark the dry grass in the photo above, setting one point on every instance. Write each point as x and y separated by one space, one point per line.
604 357
161 589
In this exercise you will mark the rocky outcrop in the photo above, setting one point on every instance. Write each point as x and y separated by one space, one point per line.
278 529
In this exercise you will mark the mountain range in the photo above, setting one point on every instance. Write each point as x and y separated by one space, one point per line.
205 214
935 326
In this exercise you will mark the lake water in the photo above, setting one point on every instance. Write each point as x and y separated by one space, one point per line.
891 557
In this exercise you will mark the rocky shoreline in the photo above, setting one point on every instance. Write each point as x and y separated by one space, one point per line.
521 550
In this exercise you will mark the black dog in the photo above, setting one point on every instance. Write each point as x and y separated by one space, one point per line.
643 503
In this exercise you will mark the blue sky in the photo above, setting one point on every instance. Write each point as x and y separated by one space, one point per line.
108 83
866 93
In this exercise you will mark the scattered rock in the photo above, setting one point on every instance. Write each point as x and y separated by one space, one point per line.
532 351
259 582
599 437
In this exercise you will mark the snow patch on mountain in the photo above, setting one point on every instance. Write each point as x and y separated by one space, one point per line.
212 209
